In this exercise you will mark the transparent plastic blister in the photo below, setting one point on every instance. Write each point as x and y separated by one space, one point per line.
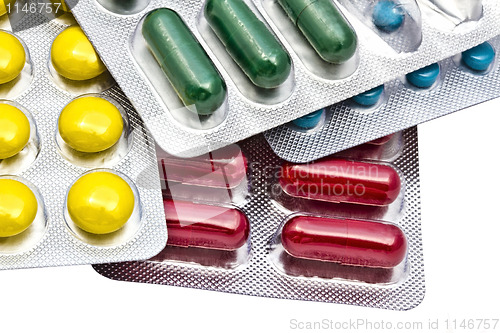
359 276
458 82
240 108
455 13
203 197
54 160
398 23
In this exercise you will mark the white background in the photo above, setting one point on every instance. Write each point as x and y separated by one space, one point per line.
460 186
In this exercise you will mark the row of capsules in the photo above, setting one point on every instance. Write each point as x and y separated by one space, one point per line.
214 65
242 220
71 149
440 88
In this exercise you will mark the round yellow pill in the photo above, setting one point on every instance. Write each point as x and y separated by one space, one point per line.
14 131
90 124
74 57
12 57
100 202
18 207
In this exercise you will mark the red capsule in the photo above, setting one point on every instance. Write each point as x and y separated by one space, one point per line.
205 226
381 141
348 242
224 168
338 180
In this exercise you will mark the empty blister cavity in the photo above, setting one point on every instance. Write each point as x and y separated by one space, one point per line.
16 70
209 235
103 208
478 60
252 55
450 14
23 220
397 22
94 131
336 248
219 176
180 70
124 7
75 66
319 34
19 140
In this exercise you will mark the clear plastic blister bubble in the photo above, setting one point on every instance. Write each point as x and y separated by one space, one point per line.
384 243
219 176
263 75
12 88
102 158
438 89
23 159
398 23
334 49
69 76
109 239
453 14
351 188
201 200
88 165
479 60
190 115
307 54
383 262
18 207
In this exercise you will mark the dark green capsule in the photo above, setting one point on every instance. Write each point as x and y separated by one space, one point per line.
251 45
185 63
324 26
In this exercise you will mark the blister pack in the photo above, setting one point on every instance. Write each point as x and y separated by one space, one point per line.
78 173
205 74
344 229
453 84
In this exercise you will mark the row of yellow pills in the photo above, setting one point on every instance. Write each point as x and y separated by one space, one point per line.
72 56
99 202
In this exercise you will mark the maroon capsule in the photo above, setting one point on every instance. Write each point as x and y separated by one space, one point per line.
224 168
205 226
348 242
338 180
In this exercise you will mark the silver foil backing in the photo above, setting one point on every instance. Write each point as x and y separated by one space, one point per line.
260 277
113 35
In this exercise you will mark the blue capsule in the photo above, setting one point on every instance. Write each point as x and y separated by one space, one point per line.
424 77
370 97
388 15
309 121
480 57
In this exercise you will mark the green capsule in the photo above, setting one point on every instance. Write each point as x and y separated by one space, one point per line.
251 45
324 27
185 63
